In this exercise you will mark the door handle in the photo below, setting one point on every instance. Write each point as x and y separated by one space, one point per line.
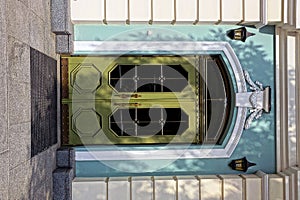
126 96
127 104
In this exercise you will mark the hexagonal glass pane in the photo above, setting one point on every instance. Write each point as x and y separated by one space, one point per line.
86 78
86 123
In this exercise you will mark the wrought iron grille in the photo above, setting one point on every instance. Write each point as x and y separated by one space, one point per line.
43 79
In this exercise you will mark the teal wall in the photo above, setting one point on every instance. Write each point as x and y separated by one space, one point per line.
256 56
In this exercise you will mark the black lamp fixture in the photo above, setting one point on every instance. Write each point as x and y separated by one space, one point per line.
241 164
239 34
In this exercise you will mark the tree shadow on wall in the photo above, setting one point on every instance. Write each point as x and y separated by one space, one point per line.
252 56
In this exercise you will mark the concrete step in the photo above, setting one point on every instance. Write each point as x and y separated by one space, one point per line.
142 188
118 188
209 11
248 12
253 11
294 173
276 187
291 183
286 12
188 188
116 11
210 187
163 11
232 187
274 11
252 185
187 15
232 11
89 188
289 187
168 11
93 11
143 14
288 145
204 187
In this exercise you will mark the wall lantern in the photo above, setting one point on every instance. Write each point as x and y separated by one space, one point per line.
241 164
239 34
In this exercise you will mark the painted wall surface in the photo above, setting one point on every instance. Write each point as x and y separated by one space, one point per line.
256 56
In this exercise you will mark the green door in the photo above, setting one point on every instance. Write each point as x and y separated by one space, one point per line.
136 100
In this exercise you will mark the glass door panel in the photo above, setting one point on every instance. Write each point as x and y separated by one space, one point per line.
106 122
140 77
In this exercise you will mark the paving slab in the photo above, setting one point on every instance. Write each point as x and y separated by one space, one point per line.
25 2
37 32
3 79
17 19
49 44
47 19
19 181
18 60
19 103
4 174
42 166
48 191
50 156
3 108
38 166
39 7
18 73
19 144
38 192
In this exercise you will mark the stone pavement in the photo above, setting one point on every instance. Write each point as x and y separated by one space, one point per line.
23 24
